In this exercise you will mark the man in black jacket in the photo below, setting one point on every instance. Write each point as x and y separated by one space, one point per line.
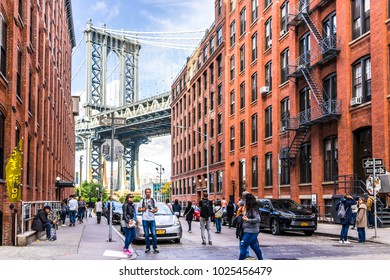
41 221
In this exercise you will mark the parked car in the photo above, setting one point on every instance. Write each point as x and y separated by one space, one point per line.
168 226
281 215
196 216
116 212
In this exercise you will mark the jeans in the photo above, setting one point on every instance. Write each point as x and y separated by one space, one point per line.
354 219
344 232
81 213
47 226
189 224
98 217
129 236
90 212
72 216
371 219
205 224
150 225
63 217
218 224
361 234
250 239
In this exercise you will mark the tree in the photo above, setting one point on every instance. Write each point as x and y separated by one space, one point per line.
91 190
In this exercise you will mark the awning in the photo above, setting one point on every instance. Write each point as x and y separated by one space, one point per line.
65 184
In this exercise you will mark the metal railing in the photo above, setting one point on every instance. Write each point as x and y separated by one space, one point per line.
30 209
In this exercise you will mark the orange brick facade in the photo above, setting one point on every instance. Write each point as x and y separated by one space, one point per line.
356 79
35 102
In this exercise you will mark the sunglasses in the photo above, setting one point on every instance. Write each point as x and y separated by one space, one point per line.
131 196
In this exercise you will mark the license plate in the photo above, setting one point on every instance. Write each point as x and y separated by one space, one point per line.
304 224
160 231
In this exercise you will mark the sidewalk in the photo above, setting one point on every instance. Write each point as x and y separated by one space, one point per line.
89 241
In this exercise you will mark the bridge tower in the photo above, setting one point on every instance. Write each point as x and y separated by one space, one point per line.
99 45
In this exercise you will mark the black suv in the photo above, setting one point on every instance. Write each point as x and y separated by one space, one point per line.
286 215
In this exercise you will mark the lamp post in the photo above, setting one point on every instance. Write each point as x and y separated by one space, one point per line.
207 155
159 169
81 169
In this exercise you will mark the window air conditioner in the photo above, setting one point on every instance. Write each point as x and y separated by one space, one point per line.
264 90
356 101
269 43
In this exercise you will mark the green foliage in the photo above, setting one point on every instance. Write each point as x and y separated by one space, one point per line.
91 190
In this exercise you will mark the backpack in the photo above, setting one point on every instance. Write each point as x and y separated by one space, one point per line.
205 209
341 212
153 202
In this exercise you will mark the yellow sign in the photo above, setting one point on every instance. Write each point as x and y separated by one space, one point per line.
13 173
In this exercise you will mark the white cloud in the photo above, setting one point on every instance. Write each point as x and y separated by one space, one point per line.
108 11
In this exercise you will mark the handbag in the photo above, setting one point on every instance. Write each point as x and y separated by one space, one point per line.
131 224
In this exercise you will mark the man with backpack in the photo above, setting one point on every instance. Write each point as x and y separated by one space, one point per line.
206 210
344 212
147 207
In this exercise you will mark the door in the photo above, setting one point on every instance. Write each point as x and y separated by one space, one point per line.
362 146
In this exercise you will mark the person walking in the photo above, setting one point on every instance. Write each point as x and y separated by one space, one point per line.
370 211
129 223
218 216
110 204
361 220
148 208
81 209
99 210
168 204
344 212
205 215
64 211
188 214
90 206
251 229
176 208
230 213
73 207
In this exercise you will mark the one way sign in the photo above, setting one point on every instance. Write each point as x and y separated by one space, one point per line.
370 162
378 170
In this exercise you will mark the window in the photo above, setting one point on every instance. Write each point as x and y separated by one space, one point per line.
219 7
267 3
255 7
212 96
232 67
219 36
199 159
242 21
31 25
304 6
360 17
361 82
220 151
285 112
3 46
219 94
232 33
232 103
219 123
242 133
2 134
329 95
242 175
330 158
329 33
254 47
30 93
304 105
219 65
305 163
219 181
242 95
268 122
255 180
242 58
205 131
19 75
205 105
268 169
211 45
284 18
211 177
285 173
268 75
254 87
232 137
211 128
254 128
204 53
284 56
211 73
20 9
199 135
268 33
304 49
231 5
205 157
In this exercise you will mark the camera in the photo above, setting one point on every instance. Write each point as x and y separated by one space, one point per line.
150 207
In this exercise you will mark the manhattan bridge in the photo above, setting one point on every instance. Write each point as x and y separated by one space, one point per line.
143 118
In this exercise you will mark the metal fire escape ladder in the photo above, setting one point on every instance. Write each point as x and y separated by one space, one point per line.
312 84
289 153
312 27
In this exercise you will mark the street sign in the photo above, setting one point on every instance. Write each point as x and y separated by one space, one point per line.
379 170
118 150
370 162
107 121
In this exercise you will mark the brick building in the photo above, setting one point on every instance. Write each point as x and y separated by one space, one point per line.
305 96
36 44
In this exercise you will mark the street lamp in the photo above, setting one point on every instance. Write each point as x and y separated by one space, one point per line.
159 169
207 154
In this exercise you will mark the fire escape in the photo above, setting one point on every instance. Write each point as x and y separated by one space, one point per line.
295 128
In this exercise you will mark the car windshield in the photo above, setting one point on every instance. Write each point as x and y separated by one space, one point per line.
163 210
285 204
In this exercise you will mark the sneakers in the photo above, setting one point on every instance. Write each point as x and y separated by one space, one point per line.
128 253
156 251
341 241
147 250
124 249
347 242
190 231
210 243
203 243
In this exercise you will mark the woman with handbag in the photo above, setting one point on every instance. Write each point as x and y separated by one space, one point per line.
128 223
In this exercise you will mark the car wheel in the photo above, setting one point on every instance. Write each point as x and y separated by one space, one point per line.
177 240
309 233
275 227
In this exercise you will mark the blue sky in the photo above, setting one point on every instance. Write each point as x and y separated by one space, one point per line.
143 16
